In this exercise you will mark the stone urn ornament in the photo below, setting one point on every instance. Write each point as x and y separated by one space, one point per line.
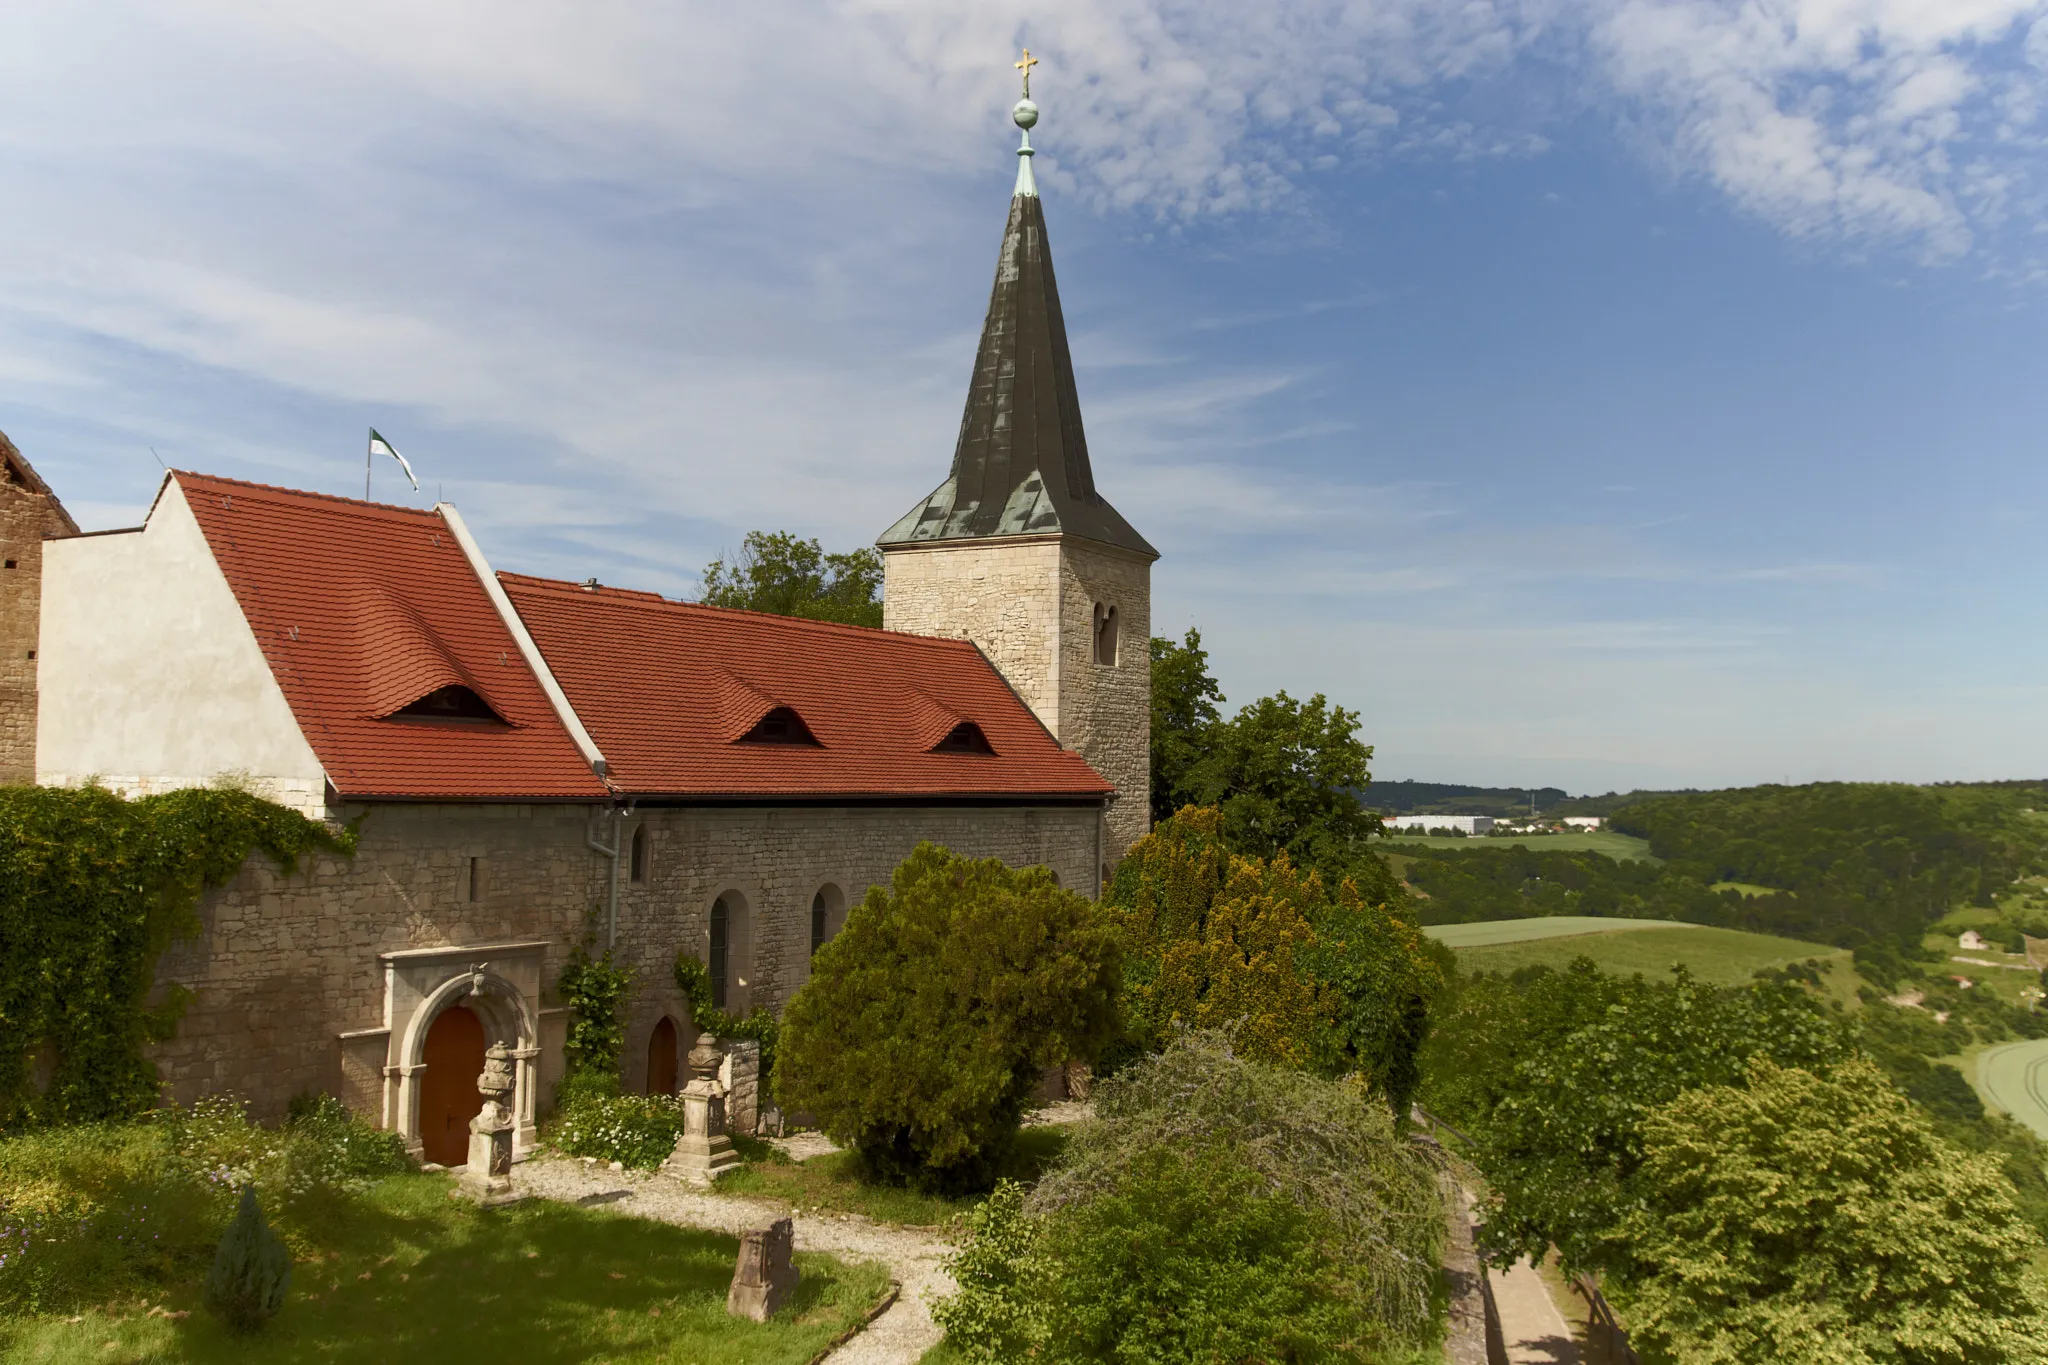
488 1177
703 1151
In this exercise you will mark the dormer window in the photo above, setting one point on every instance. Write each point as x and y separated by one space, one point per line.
451 703
781 726
964 738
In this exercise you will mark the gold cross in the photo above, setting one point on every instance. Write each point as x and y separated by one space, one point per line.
1025 67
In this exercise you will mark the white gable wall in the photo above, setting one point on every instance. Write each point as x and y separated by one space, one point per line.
150 678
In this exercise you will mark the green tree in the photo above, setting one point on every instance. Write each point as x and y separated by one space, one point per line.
1218 1210
251 1270
1286 775
786 575
1810 1219
1185 717
1554 1073
929 1019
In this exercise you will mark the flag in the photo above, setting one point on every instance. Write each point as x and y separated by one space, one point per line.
380 446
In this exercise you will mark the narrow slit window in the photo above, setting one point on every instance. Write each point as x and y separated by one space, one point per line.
820 930
476 879
964 738
637 865
1105 635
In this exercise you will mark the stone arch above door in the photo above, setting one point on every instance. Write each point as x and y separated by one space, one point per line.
500 984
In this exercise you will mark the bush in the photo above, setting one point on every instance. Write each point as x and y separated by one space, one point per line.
1811 1219
92 1211
930 1017
638 1131
251 1270
595 990
1217 1210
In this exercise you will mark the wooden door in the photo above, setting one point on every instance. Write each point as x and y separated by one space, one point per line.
661 1058
449 1099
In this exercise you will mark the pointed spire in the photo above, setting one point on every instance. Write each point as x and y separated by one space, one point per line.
1021 465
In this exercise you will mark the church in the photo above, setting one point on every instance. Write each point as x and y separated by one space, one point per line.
535 764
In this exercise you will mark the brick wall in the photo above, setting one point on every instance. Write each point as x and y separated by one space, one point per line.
283 967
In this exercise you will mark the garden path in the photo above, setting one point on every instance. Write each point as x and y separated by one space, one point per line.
1530 1325
898 1337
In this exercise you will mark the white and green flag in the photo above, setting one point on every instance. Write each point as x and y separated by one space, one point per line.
380 446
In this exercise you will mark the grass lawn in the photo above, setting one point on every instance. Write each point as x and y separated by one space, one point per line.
836 1182
1620 847
1486 933
2013 1077
1721 956
414 1275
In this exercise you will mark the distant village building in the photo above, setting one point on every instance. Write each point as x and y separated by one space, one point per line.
1583 821
1971 941
533 764
1465 824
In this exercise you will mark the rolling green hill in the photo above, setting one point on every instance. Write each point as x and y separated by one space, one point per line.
1722 956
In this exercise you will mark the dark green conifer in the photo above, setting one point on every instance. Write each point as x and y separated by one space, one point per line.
251 1270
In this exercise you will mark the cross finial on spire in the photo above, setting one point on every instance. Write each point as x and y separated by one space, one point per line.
1025 67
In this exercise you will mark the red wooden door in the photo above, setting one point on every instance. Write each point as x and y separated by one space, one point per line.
661 1058
449 1099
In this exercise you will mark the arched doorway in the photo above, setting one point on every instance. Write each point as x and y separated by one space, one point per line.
454 1057
661 1058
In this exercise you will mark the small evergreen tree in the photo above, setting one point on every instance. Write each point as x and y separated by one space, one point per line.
251 1270
929 1019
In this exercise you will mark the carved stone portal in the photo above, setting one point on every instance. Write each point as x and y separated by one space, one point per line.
488 1177
765 1276
703 1150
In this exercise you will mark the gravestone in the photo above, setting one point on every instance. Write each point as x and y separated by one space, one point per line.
765 1276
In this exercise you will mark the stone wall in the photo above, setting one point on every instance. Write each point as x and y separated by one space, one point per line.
1029 603
27 515
287 981
1004 596
1105 709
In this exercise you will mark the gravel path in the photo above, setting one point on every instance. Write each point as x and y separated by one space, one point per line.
898 1337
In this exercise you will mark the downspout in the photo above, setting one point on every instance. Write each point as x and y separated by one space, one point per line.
611 921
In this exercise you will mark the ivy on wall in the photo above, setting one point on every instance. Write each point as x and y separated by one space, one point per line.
93 888
693 979
595 989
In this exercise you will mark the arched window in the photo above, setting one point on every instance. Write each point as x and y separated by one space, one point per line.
828 913
721 949
1105 635
637 865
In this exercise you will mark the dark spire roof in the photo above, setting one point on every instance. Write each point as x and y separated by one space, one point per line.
1021 467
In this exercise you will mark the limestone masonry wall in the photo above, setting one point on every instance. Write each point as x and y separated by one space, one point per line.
284 967
1106 710
1003 596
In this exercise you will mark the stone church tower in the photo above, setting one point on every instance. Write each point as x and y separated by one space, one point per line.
1018 552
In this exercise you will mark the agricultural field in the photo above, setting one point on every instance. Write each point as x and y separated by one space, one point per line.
2014 1077
1721 956
1620 847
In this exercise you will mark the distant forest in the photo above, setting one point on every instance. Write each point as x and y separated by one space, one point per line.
1408 797
1843 863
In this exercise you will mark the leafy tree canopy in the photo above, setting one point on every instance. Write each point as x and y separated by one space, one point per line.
1553 1074
1305 977
1802 1218
786 575
930 1017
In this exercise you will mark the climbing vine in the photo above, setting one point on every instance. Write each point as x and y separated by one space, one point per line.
595 989
693 978
93 888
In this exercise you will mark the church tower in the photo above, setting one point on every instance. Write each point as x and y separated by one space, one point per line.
1017 551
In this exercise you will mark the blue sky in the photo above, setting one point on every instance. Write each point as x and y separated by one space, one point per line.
1626 392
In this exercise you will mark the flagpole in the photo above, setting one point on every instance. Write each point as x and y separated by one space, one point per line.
368 453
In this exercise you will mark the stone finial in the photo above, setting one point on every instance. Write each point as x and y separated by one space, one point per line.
705 1058
488 1176
703 1151
766 1275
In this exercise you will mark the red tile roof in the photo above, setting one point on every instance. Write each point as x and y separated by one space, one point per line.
362 608
666 688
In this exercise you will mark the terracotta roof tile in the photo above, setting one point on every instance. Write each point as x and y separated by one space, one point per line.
666 687
362 608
